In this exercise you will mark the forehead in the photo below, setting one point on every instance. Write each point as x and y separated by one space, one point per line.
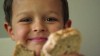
36 3
37 6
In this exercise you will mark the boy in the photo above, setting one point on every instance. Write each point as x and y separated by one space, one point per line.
31 21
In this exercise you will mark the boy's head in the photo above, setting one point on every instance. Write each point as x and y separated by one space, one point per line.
8 10
32 21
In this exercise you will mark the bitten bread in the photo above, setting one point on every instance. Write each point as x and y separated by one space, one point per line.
63 41
20 50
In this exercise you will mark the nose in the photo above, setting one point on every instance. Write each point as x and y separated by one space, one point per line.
39 30
39 27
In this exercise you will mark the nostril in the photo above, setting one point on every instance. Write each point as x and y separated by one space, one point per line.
42 30
39 30
35 30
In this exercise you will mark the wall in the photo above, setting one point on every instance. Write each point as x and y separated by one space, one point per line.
2 30
6 47
85 15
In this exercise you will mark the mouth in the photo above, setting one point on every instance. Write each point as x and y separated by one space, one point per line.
38 39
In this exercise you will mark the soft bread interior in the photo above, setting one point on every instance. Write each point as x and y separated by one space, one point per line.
20 50
63 41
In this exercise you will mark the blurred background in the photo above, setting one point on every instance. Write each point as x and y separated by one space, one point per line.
85 16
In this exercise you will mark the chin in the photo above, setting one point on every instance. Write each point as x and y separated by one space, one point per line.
35 46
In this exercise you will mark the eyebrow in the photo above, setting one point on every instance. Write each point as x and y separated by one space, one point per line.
54 12
28 12
23 13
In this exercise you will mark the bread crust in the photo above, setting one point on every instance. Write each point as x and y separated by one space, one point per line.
63 41
20 50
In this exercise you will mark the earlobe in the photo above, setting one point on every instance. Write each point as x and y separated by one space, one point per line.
9 30
68 24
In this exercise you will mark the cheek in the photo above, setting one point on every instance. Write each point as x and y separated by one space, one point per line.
20 33
55 28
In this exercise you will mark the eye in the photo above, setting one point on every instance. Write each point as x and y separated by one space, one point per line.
51 19
27 19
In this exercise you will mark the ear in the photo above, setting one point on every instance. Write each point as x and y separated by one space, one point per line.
68 24
9 30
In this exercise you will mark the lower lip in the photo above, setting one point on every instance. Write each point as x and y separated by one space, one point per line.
39 39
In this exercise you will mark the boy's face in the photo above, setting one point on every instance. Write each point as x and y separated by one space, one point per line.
34 20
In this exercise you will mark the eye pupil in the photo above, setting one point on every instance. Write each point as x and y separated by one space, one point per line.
51 19
26 20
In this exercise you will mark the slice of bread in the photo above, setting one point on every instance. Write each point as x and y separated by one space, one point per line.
63 41
20 50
